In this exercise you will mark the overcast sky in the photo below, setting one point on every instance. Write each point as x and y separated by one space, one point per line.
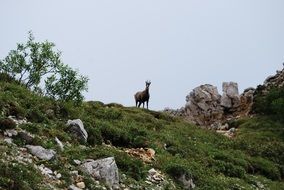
177 44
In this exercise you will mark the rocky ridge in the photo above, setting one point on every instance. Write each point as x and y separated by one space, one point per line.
206 107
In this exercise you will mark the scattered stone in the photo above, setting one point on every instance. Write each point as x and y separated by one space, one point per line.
73 187
175 112
17 120
81 185
154 176
40 152
78 162
103 169
10 132
77 128
59 143
8 140
187 182
146 155
46 171
58 176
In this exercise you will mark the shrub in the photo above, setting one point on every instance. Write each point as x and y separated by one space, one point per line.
33 62
131 166
271 104
7 123
18 176
94 136
228 169
266 168
176 171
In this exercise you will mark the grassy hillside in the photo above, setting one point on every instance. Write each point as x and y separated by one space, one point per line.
253 159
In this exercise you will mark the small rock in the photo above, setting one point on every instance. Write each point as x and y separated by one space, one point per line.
78 162
115 187
187 182
60 144
152 171
18 121
74 172
10 132
77 128
8 140
73 187
81 185
103 169
40 152
58 176
232 130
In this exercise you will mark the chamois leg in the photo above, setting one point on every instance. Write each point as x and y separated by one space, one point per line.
139 104
147 104
136 102
143 104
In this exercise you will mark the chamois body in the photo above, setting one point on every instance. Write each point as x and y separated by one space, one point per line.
143 96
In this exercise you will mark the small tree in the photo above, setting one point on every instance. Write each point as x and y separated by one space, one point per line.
30 62
35 62
67 84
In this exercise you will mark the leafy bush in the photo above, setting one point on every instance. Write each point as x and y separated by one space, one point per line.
176 171
94 136
15 176
131 166
271 104
266 168
228 169
33 62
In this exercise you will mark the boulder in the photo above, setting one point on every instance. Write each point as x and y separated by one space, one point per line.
187 182
103 169
76 127
230 99
246 101
203 105
40 152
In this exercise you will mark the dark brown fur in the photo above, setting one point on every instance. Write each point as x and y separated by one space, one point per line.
143 96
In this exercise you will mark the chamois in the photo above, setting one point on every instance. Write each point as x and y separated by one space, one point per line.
143 96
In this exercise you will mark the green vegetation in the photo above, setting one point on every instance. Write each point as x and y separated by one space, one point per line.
34 63
271 104
213 161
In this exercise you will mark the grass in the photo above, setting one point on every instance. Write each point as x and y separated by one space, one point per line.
255 156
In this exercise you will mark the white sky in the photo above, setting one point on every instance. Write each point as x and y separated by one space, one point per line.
178 45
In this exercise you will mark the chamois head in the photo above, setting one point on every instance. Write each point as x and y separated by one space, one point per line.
147 84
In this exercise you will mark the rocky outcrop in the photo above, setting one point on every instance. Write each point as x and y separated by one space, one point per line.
77 128
103 169
203 105
206 107
276 80
230 99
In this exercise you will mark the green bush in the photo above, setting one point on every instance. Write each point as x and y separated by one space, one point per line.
36 116
14 176
94 136
228 169
176 171
7 123
266 168
271 104
130 166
